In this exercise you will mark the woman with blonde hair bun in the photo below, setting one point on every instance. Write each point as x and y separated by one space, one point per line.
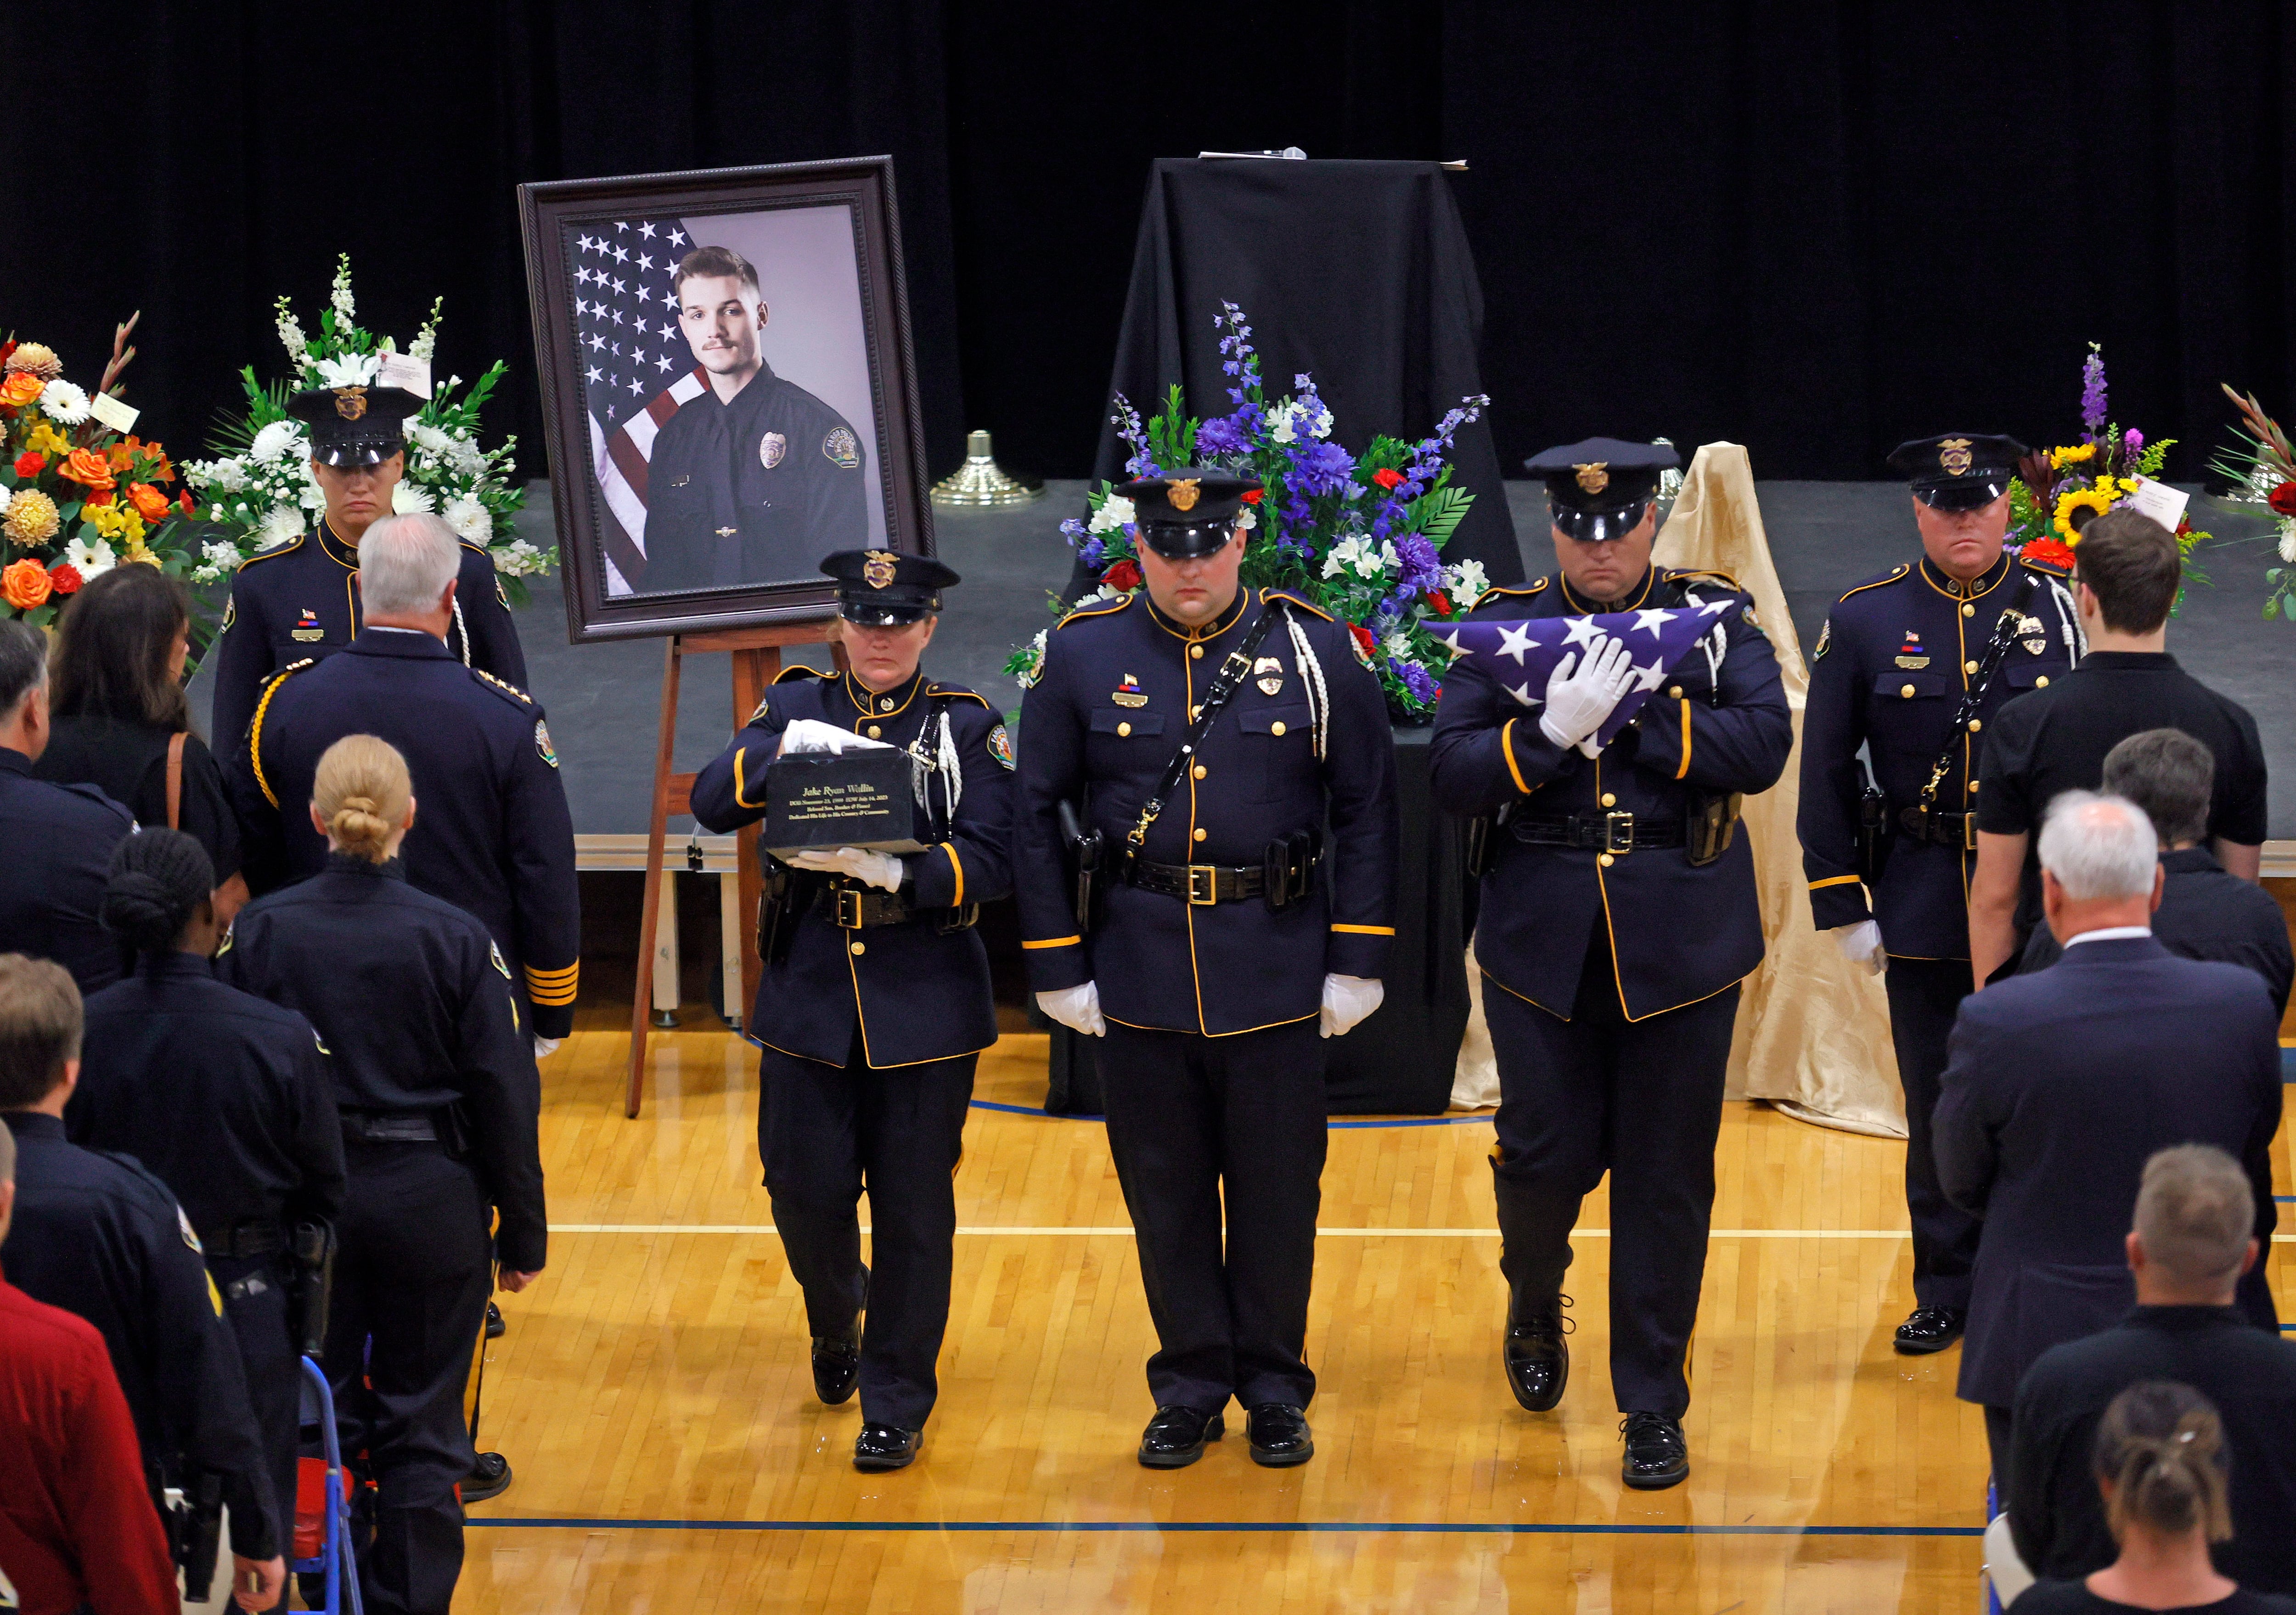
439 1096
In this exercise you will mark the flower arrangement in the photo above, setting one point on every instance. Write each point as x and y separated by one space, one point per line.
77 495
1361 535
2262 471
259 490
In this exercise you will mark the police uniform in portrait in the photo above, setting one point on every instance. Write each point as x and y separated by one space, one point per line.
299 601
873 1008
1240 877
1618 916
1910 669
754 489
497 838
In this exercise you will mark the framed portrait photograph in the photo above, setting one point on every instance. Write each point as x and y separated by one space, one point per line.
729 388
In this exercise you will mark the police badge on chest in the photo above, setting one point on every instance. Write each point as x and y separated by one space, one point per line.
771 449
1267 672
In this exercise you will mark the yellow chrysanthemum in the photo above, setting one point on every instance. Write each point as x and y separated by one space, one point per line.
36 358
44 438
31 518
2059 459
2095 501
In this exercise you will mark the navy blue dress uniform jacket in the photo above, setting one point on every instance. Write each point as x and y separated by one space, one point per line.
1891 666
414 1003
916 994
301 600
492 833
2058 1087
1100 725
60 838
1677 932
225 1096
99 1236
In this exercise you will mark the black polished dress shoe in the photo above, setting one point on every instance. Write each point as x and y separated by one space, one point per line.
1279 1435
496 1328
1175 1437
880 1447
1657 1456
1930 1329
1538 1357
489 1476
837 1366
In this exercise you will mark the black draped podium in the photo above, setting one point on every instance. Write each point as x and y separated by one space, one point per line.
1399 1062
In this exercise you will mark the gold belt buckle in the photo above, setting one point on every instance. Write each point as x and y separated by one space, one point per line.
1618 833
848 908
1969 832
1203 884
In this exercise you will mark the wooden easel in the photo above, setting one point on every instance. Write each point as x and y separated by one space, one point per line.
756 662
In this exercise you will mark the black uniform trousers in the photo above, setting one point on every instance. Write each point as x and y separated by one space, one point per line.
1643 1100
1925 995
254 1291
827 1134
1194 1120
412 1271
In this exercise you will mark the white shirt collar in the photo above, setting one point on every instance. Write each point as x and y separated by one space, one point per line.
2111 933
392 627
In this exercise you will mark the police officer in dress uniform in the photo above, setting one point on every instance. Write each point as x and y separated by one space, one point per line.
438 1099
875 1002
754 478
300 600
1896 665
228 1100
1619 915
1245 854
497 839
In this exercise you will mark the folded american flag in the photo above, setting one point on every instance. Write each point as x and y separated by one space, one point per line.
1519 656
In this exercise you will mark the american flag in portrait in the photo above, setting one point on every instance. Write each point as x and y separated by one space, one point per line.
1520 656
636 369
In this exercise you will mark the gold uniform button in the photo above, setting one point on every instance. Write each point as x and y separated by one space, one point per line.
886 705
1202 771
1275 727
1975 724
1969 667
1972 788
1906 691
859 948
1200 835
872 731
1674 692
1605 859
1196 651
1123 728
1610 799
2042 682
1969 611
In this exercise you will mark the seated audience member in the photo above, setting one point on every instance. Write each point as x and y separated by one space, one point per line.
2160 1464
78 1531
60 836
2059 1087
2195 1235
2205 912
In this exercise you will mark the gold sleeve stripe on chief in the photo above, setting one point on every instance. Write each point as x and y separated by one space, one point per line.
1057 941
740 755
1365 931
956 898
554 988
1683 770
1506 747
1836 880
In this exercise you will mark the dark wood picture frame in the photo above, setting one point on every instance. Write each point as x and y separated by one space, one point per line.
550 213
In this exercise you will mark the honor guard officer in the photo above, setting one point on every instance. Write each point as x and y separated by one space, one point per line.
497 839
301 599
875 1002
1208 927
1912 667
438 1099
1619 915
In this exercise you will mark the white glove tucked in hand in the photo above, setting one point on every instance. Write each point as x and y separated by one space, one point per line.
1861 944
1075 1007
871 869
1582 691
544 1047
1347 1000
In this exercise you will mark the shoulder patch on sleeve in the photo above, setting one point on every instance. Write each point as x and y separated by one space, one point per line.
1824 641
1904 570
495 958
320 1043
224 947
1498 590
1000 745
500 593
508 691
1298 600
542 743
1104 608
230 612
840 448
190 1238
797 670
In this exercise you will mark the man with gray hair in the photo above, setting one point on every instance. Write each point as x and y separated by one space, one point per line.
2059 1087
2197 1235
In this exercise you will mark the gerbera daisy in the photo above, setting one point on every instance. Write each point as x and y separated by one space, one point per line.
64 402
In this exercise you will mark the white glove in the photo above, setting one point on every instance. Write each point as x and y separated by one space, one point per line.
1861 944
1582 691
1347 1000
544 1047
871 869
812 734
1076 1008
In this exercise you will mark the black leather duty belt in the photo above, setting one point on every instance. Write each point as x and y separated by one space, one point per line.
1202 884
243 1240
370 1127
1946 829
1618 833
861 909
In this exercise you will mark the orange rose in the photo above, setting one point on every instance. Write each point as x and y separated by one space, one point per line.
87 466
149 503
25 584
20 389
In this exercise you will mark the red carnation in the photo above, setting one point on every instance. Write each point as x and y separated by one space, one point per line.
29 461
1439 602
65 580
1251 495
1363 637
1125 575
1387 477
2283 499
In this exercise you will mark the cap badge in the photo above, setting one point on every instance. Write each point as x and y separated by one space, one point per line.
1183 493
1953 454
771 448
351 403
1595 476
877 568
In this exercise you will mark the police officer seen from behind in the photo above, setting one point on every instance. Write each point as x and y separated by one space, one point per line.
302 598
1619 915
1236 776
438 1099
875 1002
497 839
1913 666
754 478
228 1100
101 1238
48 903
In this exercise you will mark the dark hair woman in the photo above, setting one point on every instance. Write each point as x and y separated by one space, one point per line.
119 721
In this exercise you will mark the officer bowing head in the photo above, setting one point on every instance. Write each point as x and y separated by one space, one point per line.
1960 498
1601 499
358 450
408 568
887 604
1191 545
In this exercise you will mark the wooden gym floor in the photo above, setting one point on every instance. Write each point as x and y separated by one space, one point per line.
654 1397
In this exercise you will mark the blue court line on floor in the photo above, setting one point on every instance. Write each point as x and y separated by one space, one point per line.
1436 1527
1407 1120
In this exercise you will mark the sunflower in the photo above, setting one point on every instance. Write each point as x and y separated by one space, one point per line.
2071 520
2059 459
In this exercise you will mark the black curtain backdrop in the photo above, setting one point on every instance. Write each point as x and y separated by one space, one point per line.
1814 228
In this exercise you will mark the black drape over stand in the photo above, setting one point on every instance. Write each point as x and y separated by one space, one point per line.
1399 1062
1357 272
